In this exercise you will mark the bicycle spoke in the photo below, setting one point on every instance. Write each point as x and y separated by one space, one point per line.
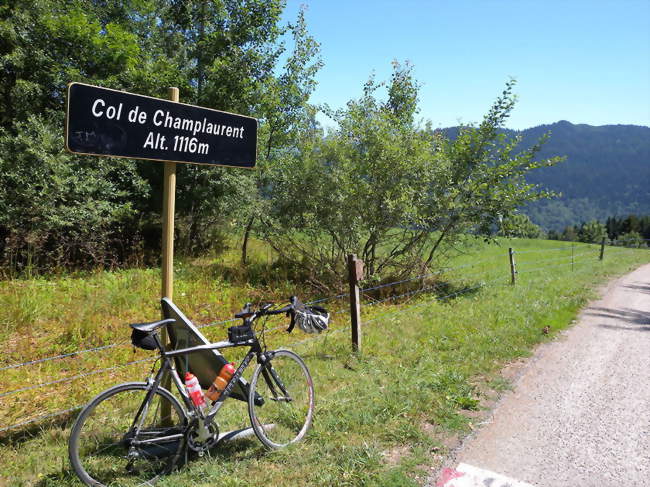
282 418
104 450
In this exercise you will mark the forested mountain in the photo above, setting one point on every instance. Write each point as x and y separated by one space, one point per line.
606 172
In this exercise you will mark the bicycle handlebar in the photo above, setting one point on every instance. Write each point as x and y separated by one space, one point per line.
286 309
246 312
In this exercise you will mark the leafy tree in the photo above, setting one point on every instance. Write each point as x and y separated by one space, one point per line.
221 54
55 210
632 223
631 239
483 176
383 187
287 114
592 232
358 189
60 208
518 225
570 233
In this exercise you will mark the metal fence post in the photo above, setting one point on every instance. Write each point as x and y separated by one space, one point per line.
572 253
602 249
355 274
513 268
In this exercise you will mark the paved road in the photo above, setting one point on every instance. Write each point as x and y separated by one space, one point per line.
579 414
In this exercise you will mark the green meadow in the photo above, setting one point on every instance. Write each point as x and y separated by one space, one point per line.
430 362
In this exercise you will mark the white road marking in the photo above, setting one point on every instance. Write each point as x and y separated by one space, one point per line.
469 476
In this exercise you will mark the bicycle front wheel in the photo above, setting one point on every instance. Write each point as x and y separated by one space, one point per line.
281 400
118 439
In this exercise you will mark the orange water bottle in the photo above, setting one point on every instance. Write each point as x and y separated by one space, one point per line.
220 383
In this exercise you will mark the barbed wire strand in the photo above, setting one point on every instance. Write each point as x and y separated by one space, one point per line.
392 312
123 342
622 249
526 271
555 259
59 413
424 276
39 418
320 335
300 342
519 252
552 259
462 291
64 411
205 325
338 296
409 293
73 378
65 355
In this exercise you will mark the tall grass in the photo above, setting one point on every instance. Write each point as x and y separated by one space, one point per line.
428 363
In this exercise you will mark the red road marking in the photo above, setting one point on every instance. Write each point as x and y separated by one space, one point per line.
447 475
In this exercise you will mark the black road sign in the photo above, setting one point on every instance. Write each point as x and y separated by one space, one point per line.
106 122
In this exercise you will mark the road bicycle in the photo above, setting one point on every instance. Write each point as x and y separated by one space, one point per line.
133 433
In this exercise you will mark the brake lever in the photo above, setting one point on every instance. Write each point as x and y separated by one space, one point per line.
293 321
245 312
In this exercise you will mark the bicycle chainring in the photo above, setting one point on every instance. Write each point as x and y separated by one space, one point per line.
200 438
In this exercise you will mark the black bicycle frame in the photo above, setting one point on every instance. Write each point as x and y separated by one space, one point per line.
255 350
168 365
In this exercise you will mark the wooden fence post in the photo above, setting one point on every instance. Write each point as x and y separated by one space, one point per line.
513 268
572 261
355 274
602 249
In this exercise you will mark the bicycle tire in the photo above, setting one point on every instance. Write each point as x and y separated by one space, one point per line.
278 423
99 443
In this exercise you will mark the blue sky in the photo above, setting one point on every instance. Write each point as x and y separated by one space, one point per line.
581 61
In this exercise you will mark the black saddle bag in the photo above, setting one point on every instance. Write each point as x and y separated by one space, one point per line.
142 339
239 334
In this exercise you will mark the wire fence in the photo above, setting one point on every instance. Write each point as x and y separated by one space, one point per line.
65 355
396 300
75 377
530 251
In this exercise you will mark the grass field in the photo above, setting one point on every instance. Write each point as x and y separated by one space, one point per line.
428 364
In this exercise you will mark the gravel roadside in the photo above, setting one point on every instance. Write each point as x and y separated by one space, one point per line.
579 413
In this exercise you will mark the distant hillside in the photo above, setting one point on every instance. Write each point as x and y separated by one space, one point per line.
606 173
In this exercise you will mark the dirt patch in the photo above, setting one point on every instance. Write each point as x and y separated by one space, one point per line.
395 454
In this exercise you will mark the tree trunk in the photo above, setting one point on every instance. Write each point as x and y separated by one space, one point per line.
244 247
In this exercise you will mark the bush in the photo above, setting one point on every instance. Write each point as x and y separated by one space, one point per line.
57 209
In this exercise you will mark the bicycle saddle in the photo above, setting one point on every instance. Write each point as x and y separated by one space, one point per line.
151 326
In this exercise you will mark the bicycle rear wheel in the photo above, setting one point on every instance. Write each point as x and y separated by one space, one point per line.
287 390
103 446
